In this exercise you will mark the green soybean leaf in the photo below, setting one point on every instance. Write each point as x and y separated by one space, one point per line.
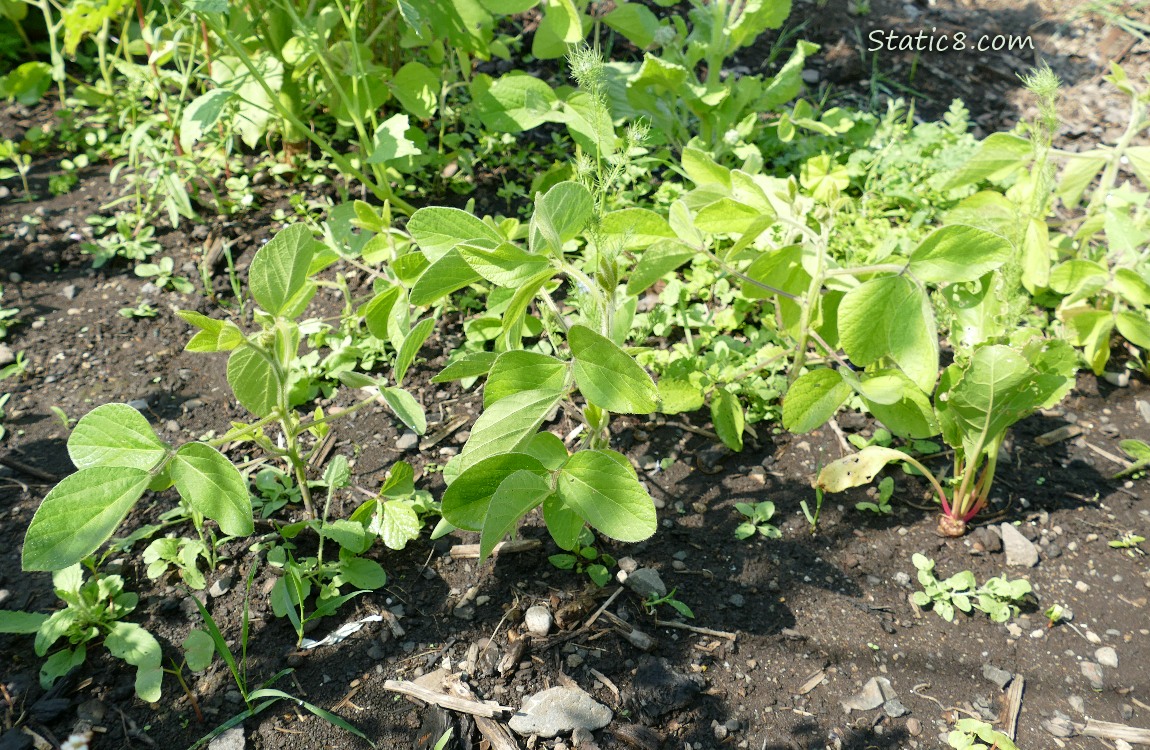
279 269
417 89
958 253
201 114
857 469
390 141
911 416
999 155
634 21
406 407
1134 327
891 317
469 366
608 377
564 524
115 435
506 265
727 416
517 371
508 7
363 573
254 381
515 496
701 169
727 216
466 499
560 215
214 487
516 102
601 486
1131 286
448 274
348 534
813 399
79 514
410 347
788 82
549 449
636 228
377 313
504 427
437 229
589 124
136 646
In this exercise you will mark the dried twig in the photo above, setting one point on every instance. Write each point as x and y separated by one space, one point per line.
32 471
696 629
450 702
471 551
1014 705
495 733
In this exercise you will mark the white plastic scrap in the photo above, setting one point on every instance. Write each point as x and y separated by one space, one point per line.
340 633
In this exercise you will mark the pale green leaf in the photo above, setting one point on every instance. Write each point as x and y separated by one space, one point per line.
115 435
601 486
958 253
891 316
279 269
608 377
214 487
813 399
515 496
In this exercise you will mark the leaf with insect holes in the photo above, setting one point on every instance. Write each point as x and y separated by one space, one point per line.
857 469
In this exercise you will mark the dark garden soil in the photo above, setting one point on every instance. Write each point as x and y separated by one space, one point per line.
792 627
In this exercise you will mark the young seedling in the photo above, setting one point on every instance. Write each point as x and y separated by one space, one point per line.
1140 453
1054 615
584 558
94 612
758 520
881 506
998 597
654 601
972 734
813 516
1129 542
163 276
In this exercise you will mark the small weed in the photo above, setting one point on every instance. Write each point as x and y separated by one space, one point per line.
758 520
998 597
654 601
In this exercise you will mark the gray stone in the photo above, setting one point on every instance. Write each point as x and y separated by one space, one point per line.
1093 673
874 693
582 737
68 292
1020 551
1107 657
1077 704
538 620
233 739
407 441
737 600
894 708
646 582
139 404
559 710
627 564
998 676
220 586
7 356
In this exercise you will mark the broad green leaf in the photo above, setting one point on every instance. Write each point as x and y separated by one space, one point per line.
824 177
657 261
410 347
1139 158
677 396
200 115
516 102
891 316
448 274
608 377
636 228
213 486
562 25
136 646
589 124
560 215
515 496
857 469
788 82
506 265
377 312
634 21
727 416
469 366
1037 255
987 210
601 486
466 499
437 229
813 399
755 17
1132 287
348 534
199 649
958 253
79 514
115 435
517 371
279 269
564 524
508 7
1078 279
390 141
908 416
1134 327
416 87
406 407
213 336
20 622
702 170
727 216
255 382
999 155
363 573
504 427
1091 330
396 524
515 315
549 449
1079 172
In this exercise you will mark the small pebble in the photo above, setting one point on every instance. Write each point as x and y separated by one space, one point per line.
1107 657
